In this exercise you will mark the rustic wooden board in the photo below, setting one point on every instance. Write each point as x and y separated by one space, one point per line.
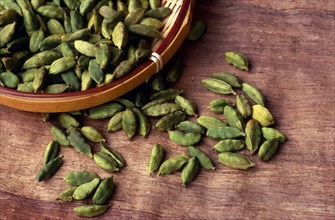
291 47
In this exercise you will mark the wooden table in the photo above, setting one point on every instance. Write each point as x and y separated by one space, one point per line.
291 47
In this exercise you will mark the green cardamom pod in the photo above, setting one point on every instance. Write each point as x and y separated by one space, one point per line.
197 31
49 169
78 142
86 48
90 210
262 115
253 93
229 145
210 121
71 80
125 102
86 81
105 161
161 109
268 149
124 68
55 27
51 151
204 160
159 13
143 123
190 171
129 123
51 11
243 106
271 133
217 86
104 191
59 136
120 161
41 59
66 195
7 33
115 123
7 16
170 121
25 87
10 79
154 102
153 22
238 60
105 110
145 31
77 178
36 38
103 56
218 105
120 35
253 135
168 94
235 160
172 164
187 105
95 71
229 78
92 134
67 121
184 139
234 118
191 127
86 189
224 132
62 65
155 158
134 17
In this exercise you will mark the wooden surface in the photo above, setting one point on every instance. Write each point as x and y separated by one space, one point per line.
291 47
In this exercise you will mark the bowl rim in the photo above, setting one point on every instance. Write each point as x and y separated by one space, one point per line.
91 91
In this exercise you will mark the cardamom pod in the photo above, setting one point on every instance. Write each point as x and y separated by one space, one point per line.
77 178
243 106
229 145
104 191
197 31
224 132
92 134
51 151
218 105
66 195
184 139
253 93
155 158
217 86
161 109
120 35
253 135
234 118
210 121
159 13
172 164
115 123
129 123
78 142
204 160
49 169
271 133
229 78
238 60
86 189
145 31
268 149
168 94
67 121
59 136
187 105
105 161
62 65
262 115
105 110
120 161
143 123
169 121
191 127
235 160
95 71
190 171
90 210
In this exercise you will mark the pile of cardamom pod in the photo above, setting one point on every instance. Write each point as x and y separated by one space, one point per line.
71 45
56 46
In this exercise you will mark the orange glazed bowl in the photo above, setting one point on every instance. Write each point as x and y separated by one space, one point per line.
175 30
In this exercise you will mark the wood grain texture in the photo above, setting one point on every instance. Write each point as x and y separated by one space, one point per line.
291 47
